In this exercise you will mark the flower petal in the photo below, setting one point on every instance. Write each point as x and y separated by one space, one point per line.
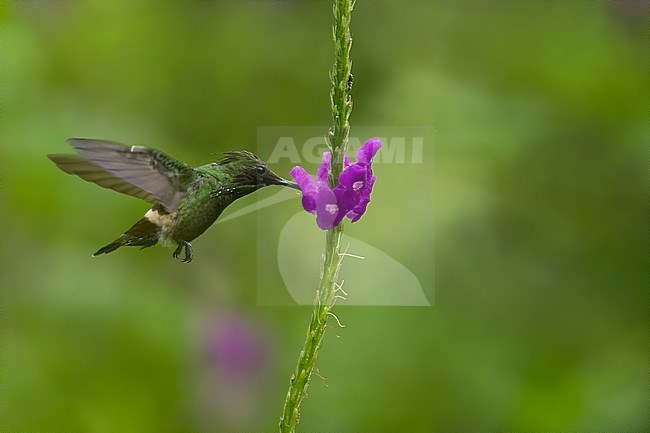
352 175
327 209
368 151
358 211
324 169
308 187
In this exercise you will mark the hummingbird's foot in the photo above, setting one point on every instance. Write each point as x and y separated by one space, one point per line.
177 251
188 251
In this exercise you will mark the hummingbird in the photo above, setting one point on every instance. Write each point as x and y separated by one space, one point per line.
186 201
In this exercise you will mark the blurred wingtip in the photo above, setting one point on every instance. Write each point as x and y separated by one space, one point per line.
73 141
93 144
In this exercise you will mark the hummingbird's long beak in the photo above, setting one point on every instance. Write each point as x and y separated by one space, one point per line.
273 179
288 183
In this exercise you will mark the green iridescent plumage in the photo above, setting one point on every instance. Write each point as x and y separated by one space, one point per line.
186 201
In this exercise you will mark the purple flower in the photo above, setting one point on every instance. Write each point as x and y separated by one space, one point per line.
234 347
351 195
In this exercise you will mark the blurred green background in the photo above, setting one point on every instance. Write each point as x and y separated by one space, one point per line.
537 178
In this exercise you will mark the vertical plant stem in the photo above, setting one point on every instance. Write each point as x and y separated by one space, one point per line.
341 104
341 77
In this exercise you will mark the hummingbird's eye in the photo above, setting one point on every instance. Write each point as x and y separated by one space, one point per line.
260 169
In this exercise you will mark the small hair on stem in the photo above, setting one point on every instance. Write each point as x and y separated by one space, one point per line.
329 313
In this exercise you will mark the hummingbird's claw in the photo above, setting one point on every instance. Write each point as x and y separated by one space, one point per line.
177 251
188 251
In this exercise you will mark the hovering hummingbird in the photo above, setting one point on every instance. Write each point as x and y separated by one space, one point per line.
186 201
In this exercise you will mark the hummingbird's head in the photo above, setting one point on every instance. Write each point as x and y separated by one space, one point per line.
248 170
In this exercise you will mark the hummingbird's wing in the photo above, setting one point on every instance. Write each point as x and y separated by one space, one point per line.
155 173
74 164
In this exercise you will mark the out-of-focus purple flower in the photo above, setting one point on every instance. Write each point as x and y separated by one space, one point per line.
351 195
235 348
236 356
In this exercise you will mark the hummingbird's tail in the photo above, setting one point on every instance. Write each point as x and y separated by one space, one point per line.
119 242
143 234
